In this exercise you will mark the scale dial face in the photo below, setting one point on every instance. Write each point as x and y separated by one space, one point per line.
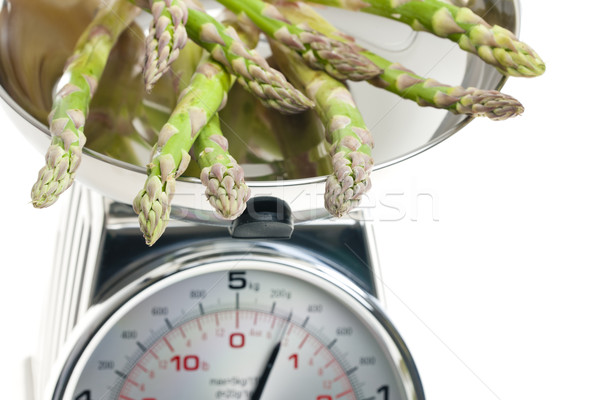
228 329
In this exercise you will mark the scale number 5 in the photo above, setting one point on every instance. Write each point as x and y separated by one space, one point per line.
237 279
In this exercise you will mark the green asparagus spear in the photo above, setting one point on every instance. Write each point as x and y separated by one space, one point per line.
320 52
166 37
301 148
428 92
116 125
303 144
199 102
405 83
351 140
251 137
223 177
494 44
251 69
245 28
71 104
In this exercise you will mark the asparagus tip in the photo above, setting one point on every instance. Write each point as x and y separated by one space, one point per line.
492 104
57 175
350 180
153 206
166 37
225 189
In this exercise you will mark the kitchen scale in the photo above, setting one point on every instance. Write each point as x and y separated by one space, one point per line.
283 303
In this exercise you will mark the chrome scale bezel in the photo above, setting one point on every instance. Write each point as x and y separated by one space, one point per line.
270 257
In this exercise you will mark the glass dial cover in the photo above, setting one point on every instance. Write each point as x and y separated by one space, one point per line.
209 332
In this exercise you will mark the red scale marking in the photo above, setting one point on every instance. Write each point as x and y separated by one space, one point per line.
340 376
169 345
347 392
237 320
330 362
303 341
134 383
318 350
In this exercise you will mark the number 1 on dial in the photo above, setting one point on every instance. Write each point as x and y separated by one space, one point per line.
384 389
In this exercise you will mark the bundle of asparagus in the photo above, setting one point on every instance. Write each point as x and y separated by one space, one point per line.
308 50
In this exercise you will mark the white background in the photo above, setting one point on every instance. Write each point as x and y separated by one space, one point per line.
498 298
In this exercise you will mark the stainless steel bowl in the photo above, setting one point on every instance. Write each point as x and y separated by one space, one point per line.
36 37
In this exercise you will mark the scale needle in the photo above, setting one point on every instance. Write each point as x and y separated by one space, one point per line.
262 381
